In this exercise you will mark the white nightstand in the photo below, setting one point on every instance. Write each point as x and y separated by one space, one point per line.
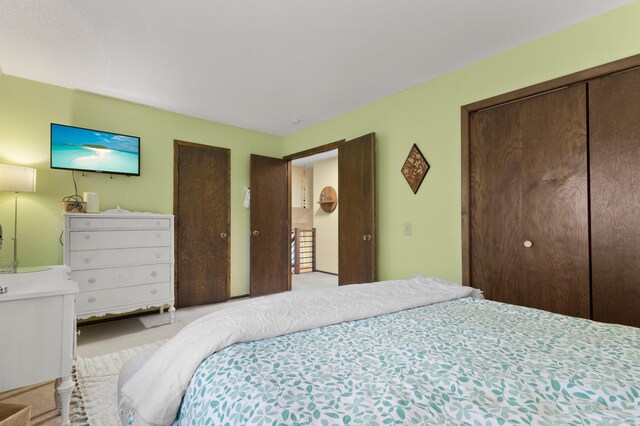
37 331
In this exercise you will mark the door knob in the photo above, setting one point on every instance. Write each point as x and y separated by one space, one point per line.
366 237
256 233
223 235
527 243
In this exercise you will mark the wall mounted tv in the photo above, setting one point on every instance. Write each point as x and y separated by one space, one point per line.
75 148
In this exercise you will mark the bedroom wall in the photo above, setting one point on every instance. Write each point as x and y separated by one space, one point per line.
26 110
301 197
325 173
429 115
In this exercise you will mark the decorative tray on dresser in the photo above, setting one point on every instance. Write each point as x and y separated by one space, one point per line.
121 262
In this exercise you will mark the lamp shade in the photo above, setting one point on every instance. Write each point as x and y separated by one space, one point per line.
17 178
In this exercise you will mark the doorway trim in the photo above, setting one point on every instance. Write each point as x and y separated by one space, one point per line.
316 150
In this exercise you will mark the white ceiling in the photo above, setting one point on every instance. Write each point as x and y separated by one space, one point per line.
261 64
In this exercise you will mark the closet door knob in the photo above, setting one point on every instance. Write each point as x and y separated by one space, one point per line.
527 243
255 233
223 235
366 237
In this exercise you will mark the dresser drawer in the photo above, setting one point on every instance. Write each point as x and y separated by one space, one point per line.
94 240
123 276
100 258
100 300
79 223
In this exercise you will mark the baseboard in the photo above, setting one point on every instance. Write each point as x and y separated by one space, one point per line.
242 296
325 272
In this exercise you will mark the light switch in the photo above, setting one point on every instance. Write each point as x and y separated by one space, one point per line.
408 228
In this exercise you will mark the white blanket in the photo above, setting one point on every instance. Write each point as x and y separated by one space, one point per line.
152 396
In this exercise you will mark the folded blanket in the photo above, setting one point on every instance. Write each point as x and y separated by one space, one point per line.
152 396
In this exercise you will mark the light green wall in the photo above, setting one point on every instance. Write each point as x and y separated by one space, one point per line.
26 110
429 115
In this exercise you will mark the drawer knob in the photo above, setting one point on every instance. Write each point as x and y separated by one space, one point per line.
86 260
154 274
157 255
87 223
158 235
91 280
86 237
158 222
91 299
154 291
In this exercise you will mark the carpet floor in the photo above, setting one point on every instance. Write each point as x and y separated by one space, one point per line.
312 280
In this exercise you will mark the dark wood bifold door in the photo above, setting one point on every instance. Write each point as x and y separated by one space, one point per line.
529 202
270 226
614 150
202 185
357 211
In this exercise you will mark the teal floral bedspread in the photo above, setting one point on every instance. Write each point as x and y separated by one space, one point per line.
466 361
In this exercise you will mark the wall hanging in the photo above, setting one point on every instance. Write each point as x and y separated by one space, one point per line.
415 168
328 199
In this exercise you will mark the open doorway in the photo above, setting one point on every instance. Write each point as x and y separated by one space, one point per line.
271 224
314 221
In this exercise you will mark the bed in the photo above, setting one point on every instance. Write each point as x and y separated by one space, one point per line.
450 359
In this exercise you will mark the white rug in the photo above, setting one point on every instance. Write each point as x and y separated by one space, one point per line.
97 385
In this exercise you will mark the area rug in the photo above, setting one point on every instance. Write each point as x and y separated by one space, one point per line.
95 399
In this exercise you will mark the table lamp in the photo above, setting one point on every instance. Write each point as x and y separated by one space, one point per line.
16 179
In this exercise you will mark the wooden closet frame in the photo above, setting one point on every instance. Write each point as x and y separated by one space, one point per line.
536 89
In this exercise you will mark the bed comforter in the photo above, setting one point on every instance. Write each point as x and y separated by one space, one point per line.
464 361
153 395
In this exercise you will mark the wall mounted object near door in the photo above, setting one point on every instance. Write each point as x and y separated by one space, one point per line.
328 199
550 201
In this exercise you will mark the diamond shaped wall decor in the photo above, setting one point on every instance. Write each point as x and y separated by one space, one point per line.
415 168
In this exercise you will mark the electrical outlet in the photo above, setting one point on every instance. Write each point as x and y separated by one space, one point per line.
408 228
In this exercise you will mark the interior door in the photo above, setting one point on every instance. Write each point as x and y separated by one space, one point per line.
357 260
614 153
202 186
270 226
529 202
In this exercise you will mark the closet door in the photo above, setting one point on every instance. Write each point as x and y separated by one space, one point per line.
614 151
202 192
529 206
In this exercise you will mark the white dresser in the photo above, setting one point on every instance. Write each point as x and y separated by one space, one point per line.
121 262
37 330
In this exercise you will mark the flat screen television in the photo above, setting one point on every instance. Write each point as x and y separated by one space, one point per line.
75 148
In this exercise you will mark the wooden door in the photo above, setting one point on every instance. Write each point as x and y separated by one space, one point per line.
357 237
529 202
201 197
270 226
614 152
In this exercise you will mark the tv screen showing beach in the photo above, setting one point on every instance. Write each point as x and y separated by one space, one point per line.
94 151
